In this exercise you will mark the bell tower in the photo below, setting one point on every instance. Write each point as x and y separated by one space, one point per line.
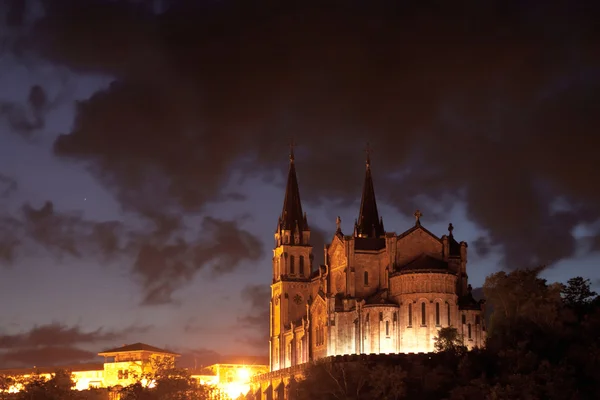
292 267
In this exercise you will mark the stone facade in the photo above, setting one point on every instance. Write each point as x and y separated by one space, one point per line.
378 292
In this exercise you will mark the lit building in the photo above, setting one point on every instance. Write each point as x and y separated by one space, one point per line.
137 362
378 292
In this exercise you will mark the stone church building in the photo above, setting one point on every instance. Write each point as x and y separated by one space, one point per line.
378 292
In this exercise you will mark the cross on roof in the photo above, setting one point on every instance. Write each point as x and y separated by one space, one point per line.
418 216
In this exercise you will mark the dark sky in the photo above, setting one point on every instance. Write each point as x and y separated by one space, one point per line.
143 146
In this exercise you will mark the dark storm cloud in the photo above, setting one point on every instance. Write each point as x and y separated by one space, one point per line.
61 335
165 253
256 318
55 344
8 186
26 119
52 355
164 266
492 103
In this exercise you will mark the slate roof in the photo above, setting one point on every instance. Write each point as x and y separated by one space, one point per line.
136 347
468 302
424 262
369 224
369 244
292 215
379 297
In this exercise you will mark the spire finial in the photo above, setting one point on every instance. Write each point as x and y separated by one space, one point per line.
450 228
418 216
292 145
338 223
368 151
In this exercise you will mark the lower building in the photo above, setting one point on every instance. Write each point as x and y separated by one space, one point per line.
138 362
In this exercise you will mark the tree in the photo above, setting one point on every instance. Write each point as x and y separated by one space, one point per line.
578 292
387 382
449 339
329 380
58 387
166 383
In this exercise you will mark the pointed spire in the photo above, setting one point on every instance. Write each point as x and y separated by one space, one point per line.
292 217
369 223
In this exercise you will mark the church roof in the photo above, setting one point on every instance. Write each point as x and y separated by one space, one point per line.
468 302
292 215
136 347
424 262
369 244
369 224
380 297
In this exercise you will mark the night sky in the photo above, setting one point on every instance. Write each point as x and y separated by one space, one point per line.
144 146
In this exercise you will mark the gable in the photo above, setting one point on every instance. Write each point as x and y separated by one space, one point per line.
415 242
318 308
337 253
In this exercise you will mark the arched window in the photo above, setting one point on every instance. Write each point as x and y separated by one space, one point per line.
292 265
448 307
469 328
437 314
366 278
409 314
301 267
477 320
387 328
464 319
423 319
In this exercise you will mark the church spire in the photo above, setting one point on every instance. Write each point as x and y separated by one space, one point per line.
292 218
369 223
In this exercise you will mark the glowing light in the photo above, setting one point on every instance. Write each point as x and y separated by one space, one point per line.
243 374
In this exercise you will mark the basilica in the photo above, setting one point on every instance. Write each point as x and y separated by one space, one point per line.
379 292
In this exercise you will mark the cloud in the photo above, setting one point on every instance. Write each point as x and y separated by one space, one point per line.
61 335
26 119
197 358
8 186
55 344
165 266
164 252
256 318
455 105
45 356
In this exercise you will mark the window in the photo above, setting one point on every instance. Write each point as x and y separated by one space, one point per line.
292 266
366 278
320 333
409 314
469 328
437 314
464 319
387 328
301 265
448 307
123 374
423 316
477 320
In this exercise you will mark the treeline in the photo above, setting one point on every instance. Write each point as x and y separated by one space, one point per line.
543 343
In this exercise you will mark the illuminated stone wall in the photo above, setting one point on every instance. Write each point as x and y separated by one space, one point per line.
374 301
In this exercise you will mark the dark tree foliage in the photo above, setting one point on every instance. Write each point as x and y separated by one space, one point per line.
543 343
167 383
